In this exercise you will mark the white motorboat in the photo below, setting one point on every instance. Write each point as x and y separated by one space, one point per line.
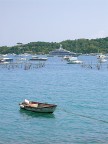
5 60
101 58
36 58
74 60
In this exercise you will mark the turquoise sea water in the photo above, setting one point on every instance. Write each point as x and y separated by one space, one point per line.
80 93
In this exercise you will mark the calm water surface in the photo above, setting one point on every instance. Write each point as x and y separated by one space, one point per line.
80 93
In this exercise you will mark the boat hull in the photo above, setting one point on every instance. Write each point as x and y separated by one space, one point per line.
75 62
38 59
40 110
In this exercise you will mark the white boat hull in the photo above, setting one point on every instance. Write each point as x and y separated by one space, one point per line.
75 62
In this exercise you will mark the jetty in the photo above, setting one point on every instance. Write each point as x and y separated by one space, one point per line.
22 65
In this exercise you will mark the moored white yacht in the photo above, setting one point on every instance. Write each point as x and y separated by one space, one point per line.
36 58
74 60
101 58
5 60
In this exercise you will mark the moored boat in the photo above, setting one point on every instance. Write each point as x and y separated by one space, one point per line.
101 58
35 58
38 107
74 60
61 52
6 60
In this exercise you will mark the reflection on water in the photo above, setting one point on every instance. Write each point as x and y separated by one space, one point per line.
30 114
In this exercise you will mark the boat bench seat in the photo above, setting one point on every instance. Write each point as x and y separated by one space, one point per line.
33 105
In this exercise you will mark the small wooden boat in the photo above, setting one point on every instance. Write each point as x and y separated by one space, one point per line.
38 107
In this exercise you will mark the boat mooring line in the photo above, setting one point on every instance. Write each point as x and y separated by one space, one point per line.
85 116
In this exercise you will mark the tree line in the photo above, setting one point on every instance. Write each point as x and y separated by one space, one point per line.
83 46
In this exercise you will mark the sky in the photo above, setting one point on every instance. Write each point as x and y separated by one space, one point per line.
27 21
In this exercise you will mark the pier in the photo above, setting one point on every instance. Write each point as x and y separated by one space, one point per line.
23 65
97 66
